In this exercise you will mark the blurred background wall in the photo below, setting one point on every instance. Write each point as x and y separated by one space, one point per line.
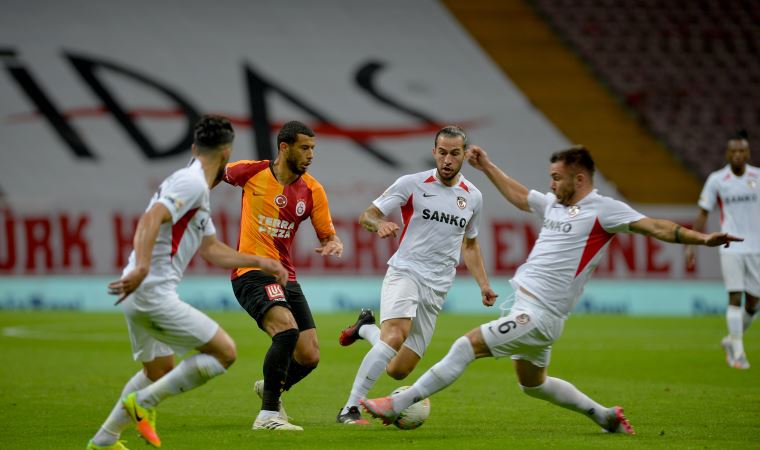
97 100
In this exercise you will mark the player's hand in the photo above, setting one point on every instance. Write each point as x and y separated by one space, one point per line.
716 239
488 295
691 257
477 157
334 248
274 268
385 229
127 284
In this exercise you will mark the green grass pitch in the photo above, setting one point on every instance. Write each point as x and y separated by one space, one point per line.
61 373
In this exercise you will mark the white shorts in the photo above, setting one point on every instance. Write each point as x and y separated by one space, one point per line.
160 324
741 272
404 296
526 333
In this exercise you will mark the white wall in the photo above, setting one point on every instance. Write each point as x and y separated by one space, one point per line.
68 215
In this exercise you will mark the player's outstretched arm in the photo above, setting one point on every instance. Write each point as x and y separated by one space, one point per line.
511 189
473 259
331 245
220 254
667 231
144 240
373 220
699 225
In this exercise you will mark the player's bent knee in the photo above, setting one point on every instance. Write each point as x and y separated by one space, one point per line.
228 351
221 347
399 373
394 339
156 372
309 359
474 337
478 344
400 367
228 355
307 350
158 367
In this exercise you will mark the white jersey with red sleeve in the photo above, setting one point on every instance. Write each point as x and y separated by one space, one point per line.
436 218
738 199
569 246
185 194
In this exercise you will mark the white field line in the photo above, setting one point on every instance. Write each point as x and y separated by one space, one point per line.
26 332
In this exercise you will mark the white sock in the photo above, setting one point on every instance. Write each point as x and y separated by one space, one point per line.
265 414
189 374
747 319
564 394
118 420
370 332
735 328
372 366
438 377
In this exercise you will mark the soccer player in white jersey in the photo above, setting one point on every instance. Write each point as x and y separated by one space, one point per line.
440 211
735 191
176 224
578 224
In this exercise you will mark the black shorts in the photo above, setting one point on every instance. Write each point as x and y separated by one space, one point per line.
257 292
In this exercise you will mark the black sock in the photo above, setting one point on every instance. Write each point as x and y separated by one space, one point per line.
296 373
276 367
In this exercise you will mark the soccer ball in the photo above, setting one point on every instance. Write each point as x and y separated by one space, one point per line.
413 416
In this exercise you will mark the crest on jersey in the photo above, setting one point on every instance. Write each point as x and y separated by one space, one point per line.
522 319
573 210
461 202
752 184
281 201
300 207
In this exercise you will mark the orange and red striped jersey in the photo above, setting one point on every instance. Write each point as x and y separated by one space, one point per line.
271 213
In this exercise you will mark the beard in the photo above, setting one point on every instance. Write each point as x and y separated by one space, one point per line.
737 166
293 166
453 175
563 197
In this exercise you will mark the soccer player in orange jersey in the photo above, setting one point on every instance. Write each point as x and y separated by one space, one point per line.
277 196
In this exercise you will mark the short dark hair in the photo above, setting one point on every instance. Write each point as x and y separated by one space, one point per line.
290 131
577 156
739 135
212 132
451 131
